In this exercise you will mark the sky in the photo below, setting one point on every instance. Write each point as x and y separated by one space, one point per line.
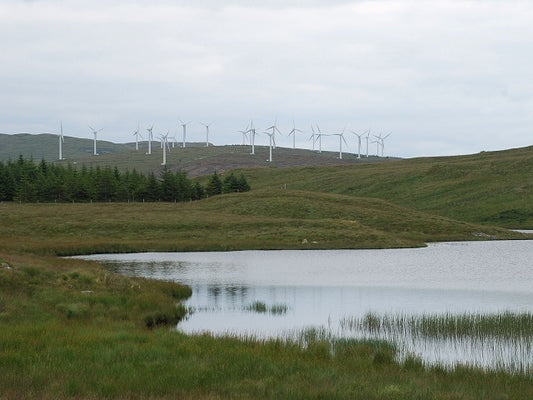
442 77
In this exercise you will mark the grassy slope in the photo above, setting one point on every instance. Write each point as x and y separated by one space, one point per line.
70 329
493 188
263 219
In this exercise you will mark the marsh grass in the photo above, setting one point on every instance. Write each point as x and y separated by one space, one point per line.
261 307
501 341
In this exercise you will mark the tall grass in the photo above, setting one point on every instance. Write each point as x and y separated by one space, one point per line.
501 341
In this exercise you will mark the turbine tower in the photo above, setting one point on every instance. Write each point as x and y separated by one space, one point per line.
367 137
293 133
312 137
270 145
61 141
150 138
383 143
252 136
341 139
359 136
95 133
137 134
184 127
274 130
206 133
319 138
164 140
244 133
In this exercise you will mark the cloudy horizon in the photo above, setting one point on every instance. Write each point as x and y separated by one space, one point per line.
444 77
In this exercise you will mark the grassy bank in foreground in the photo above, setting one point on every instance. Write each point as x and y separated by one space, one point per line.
70 329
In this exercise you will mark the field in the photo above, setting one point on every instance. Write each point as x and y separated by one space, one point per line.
71 329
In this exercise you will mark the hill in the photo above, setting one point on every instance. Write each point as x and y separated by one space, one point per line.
195 159
490 187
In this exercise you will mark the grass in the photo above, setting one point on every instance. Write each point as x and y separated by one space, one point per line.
71 329
499 341
261 307
494 188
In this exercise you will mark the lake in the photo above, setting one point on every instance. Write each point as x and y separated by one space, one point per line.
282 293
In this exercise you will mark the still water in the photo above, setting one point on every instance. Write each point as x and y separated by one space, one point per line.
320 289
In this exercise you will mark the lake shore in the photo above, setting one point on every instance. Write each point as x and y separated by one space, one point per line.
71 329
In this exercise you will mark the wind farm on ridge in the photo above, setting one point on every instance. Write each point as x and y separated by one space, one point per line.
259 147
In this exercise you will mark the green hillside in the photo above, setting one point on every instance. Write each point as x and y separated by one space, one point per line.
46 146
490 187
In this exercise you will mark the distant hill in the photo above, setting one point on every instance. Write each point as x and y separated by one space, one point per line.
46 146
195 159
489 187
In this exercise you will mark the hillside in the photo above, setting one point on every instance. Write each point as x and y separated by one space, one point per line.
491 187
195 159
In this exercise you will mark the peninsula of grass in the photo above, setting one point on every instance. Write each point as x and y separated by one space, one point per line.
71 329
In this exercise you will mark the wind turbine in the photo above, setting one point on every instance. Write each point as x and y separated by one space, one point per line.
341 139
137 134
319 136
377 144
252 136
150 138
206 133
271 144
274 129
293 133
359 136
312 137
61 141
95 132
383 143
244 133
164 140
367 137
184 126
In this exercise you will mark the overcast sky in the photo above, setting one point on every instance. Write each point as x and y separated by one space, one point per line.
445 77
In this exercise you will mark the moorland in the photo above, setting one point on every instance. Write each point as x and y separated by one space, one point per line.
71 329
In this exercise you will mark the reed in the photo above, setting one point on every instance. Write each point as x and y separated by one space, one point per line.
500 341
261 307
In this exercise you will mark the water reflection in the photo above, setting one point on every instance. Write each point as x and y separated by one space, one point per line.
322 288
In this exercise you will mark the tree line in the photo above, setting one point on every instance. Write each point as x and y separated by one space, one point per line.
24 180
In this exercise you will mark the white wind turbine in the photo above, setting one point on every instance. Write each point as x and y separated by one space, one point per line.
367 137
174 141
95 133
359 136
319 138
150 138
252 136
164 140
341 139
206 133
184 126
312 137
293 133
137 134
271 144
274 130
383 143
61 141
244 133
377 142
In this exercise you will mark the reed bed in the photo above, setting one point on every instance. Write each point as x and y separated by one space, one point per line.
501 341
